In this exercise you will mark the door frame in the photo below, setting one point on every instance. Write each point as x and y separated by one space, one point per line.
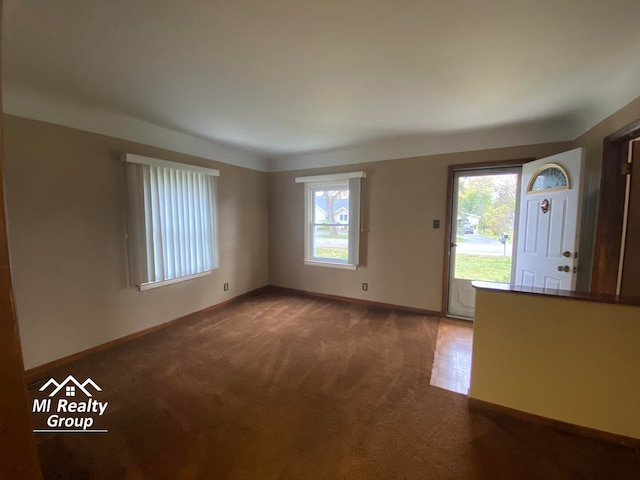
613 185
17 440
517 162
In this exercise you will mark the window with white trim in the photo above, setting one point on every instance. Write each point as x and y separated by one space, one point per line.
171 220
332 219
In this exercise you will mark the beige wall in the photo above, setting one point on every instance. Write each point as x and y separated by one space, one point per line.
591 141
67 247
401 254
66 233
568 360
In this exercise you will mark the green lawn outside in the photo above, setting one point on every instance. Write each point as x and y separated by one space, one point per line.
332 252
344 235
470 267
483 267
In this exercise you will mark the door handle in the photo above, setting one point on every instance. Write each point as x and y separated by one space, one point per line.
453 245
566 254
564 268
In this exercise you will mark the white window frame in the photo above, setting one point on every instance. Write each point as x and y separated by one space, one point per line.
191 249
351 181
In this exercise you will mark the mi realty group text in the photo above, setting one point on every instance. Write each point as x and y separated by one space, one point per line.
66 407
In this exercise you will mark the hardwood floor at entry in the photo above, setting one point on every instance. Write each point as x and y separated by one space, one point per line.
452 362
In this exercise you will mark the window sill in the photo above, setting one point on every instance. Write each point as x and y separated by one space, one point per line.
149 286
344 266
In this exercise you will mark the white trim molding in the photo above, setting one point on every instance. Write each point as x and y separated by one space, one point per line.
148 286
345 266
330 178
132 158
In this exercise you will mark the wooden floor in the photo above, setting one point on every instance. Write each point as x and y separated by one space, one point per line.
452 360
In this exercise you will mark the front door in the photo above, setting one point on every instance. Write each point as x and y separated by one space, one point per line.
549 221
484 206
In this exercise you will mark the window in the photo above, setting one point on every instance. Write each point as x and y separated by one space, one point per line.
332 219
171 217
547 178
70 391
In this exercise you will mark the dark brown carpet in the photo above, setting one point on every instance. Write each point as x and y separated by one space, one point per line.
286 387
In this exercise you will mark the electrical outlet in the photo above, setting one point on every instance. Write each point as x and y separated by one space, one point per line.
226 287
365 286
436 224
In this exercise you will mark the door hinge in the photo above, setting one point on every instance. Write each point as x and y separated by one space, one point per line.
627 168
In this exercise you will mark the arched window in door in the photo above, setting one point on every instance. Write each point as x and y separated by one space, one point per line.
549 177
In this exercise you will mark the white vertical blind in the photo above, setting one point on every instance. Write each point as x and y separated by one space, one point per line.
172 220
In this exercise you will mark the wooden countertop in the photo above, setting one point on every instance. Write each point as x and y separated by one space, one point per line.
583 296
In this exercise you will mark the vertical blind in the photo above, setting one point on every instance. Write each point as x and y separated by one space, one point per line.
171 220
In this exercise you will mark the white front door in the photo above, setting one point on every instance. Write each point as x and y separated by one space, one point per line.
549 221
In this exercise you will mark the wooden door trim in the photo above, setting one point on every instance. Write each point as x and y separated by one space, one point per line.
518 162
606 255
630 257
17 440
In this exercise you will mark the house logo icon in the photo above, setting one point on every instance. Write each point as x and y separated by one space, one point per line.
70 384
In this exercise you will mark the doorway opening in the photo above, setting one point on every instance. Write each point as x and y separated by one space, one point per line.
481 230
629 266
607 255
492 209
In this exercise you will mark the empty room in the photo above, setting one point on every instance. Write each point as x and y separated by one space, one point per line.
320 240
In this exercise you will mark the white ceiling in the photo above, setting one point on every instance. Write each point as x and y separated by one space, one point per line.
310 82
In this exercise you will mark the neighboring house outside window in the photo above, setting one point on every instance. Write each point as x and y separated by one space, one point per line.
332 219
171 221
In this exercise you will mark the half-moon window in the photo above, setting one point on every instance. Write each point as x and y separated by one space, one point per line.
548 177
